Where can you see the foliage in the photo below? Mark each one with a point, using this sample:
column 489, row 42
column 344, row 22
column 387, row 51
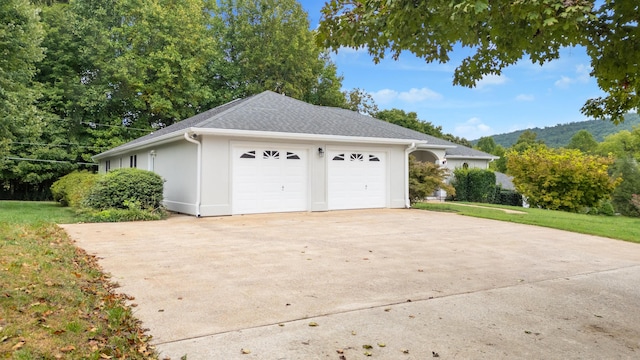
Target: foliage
column 507, row 197
column 635, row 201
column 120, row 188
column 410, row 121
column 622, row 144
column 133, row 212
column 562, row 179
column 488, row 145
column 425, row 178
column 20, row 39
column 361, row 101
column 583, row 141
column 476, row 185
column 498, row 34
column 268, row 46
column 527, row 140
column 617, row 227
column 621, row 198
column 72, row 189
column 559, row 135
column 57, row 303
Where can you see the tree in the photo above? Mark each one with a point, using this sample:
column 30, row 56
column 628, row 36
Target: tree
column 527, row 140
column 410, row 121
column 621, row 198
column 361, row 101
column 486, row 144
column 268, row 46
column 621, row 144
column 561, row 179
column 20, row 39
column 583, row 141
column 425, row 178
column 500, row 33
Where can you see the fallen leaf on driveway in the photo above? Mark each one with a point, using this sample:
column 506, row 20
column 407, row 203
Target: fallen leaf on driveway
column 313, row 324
column 245, row 351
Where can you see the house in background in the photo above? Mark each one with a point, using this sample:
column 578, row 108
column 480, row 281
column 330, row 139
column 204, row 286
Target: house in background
column 271, row 153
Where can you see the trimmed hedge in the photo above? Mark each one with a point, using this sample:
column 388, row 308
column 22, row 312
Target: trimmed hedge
column 507, row 197
column 72, row 189
column 120, row 188
column 474, row 185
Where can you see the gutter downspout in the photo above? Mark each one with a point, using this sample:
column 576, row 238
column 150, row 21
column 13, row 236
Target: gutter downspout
column 191, row 137
column 407, row 151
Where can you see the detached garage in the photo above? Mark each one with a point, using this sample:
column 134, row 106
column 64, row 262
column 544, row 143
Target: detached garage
column 271, row 153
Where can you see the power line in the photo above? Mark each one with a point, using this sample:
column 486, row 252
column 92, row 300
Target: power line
column 92, row 124
column 49, row 161
column 60, row 145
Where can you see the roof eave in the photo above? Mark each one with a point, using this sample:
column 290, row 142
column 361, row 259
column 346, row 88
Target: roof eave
column 177, row 135
column 472, row 157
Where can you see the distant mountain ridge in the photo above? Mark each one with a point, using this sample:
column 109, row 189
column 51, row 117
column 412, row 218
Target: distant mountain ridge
column 560, row 135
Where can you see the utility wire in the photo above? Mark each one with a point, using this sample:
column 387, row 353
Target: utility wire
column 49, row 161
column 60, row 145
column 92, row 124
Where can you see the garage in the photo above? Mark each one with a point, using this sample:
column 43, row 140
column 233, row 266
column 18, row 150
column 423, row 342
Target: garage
column 356, row 180
column 269, row 179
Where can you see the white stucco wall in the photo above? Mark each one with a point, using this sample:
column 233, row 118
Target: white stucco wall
column 453, row 164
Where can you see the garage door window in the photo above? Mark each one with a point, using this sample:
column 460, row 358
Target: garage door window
column 373, row 158
column 271, row 154
column 248, row 155
column 292, row 156
column 357, row 157
column 339, row 157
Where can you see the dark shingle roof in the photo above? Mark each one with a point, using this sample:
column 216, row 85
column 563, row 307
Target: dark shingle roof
column 272, row 112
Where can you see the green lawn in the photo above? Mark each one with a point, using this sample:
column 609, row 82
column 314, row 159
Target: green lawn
column 615, row 227
column 55, row 301
column 32, row 212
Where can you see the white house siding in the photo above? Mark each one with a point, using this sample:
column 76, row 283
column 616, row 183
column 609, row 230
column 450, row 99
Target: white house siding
column 453, row 164
column 175, row 162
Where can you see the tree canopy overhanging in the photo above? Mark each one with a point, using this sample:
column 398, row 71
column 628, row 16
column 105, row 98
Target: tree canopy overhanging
column 500, row 33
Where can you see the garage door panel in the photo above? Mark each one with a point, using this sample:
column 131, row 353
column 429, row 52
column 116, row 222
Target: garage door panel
column 357, row 179
column 274, row 180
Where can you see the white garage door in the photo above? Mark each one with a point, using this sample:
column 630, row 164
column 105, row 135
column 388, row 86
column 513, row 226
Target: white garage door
column 268, row 179
column 357, row 180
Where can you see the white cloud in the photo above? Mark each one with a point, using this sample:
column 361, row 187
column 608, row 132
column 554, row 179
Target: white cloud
column 490, row 80
column 386, row 96
column 525, row 97
column 582, row 76
column 472, row 129
column 417, row 95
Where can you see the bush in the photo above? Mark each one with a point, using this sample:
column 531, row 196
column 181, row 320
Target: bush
column 120, row 188
column 425, row 178
column 117, row 215
column 73, row 188
column 475, row 185
column 507, row 197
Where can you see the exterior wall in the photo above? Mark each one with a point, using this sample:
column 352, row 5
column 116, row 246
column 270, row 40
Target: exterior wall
column 453, row 164
column 218, row 163
column 175, row 162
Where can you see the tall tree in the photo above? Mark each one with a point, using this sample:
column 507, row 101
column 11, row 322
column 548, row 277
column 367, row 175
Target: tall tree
column 583, row 141
column 500, row 34
column 622, row 144
column 20, row 38
column 269, row 46
column 361, row 101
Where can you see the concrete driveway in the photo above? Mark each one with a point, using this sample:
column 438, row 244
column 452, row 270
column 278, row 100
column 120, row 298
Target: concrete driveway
column 412, row 284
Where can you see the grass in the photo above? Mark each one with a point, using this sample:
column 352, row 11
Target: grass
column 55, row 302
column 615, row 227
column 32, row 212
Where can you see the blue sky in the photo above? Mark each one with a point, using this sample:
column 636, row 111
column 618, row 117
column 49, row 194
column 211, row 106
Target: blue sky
column 526, row 95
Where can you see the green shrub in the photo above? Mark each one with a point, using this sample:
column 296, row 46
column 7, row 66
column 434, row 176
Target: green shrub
column 132, row 212
column 621, row 198
column 72, row 189
column 606, row 208
column 120, row 188
column 507, row 197
column 475, row 185
column 425, row 178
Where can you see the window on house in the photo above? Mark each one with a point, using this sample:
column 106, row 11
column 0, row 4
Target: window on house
column 373, row 158
column 465, row 166
column 107, row 165
column 357, row 157
column 133, row 161
column 292, row 156
column 339, row 157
